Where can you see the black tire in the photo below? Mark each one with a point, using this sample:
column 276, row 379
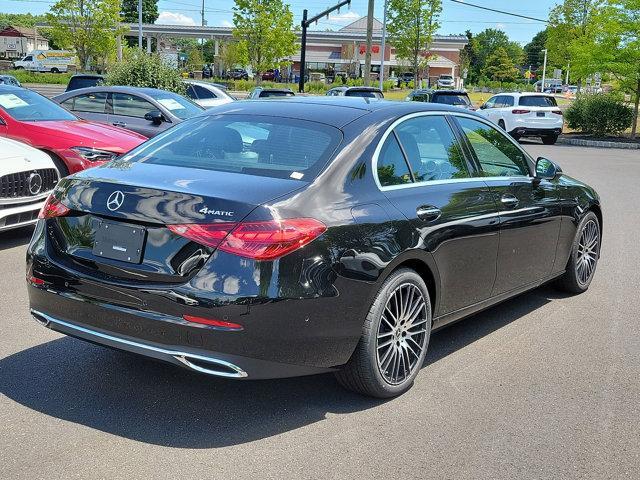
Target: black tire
column 60, row 165
column 549, row 139
column 515, row 136
column 362, row 374
column 55, row 70
column 572, row 281
column 502, row 125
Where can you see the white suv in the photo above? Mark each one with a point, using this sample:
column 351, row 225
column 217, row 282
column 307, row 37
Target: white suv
column 446, row 81
column 525, row 115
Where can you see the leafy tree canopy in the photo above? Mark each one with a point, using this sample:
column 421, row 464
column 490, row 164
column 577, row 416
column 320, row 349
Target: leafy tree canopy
column 129, row 11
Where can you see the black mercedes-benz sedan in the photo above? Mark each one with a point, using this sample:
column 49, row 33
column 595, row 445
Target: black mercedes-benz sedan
column 299, row 236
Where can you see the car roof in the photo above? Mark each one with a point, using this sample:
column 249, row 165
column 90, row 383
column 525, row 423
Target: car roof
column 87, row 75
column 11, row 88
column 334, row 111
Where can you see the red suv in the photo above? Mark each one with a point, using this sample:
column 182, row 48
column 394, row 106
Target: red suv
column 73, row 144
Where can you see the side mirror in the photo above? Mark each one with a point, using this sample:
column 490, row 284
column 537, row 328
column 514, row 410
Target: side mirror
column 546, row 169
column 483, row 106
column 154, row 116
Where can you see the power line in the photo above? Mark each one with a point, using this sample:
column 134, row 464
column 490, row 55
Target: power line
column 463, row 2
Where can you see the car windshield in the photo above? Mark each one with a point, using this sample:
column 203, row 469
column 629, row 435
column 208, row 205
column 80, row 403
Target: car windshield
column 27, row 106
column 363, row 94
column 451, row 98
column 537, row 101
column 253, row 145
column 177, row 105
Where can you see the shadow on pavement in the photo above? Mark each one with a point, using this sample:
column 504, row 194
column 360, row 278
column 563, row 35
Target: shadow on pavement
column 151, row 402
column 15, row 238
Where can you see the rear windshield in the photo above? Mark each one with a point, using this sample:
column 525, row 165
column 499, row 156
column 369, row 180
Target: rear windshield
column 537, row 101
column 363, row 93
column 83, row 82
column 451, row 98
column 27, row 106
column 255, row 145
column 276, row 93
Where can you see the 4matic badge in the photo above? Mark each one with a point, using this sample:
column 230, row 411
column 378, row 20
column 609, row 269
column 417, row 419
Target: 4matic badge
column 219, row 213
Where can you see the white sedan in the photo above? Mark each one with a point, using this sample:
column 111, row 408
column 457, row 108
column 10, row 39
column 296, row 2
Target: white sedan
column 27, row 177
column 206, row 94
column 525, row 115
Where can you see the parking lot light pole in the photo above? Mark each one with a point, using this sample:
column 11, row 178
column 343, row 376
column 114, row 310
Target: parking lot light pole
column 382, row 47
column 544, row 70
column 140, row 24
column 306, row 22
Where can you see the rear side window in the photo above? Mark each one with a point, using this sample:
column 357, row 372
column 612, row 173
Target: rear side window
column 263, row 146
column 90, row 102
column 392, row 166
column 131, row 105
column 363, row 94
column 537, row 101
column 203, row 93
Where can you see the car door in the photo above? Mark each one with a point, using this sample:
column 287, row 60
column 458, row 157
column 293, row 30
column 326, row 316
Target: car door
column 487, row 107
column 128, row 111
column 529, row 210
column 424, row 173
column 89, row 106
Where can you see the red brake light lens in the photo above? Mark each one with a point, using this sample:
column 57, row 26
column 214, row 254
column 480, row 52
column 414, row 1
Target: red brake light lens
column 518, row 111
column 258, row 240
column 53, row 208
column 212, row 322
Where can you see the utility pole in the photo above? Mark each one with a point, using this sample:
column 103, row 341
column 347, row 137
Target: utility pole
column 305, row 23
column 384, row 38
column 140, row 24
column 544, row 70
column 566, row 81
column 202, row 13
column 367, row 56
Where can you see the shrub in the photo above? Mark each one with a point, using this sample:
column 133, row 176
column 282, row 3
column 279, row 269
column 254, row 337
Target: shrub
column 139, row 69
column 25, row 76
column 316, row 87
column 599, row 114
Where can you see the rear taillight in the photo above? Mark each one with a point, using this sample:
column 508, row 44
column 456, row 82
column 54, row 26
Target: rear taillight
column 557, row 112
column 53, row 208
column 213, row 322
column 519, row 112
column 258, row 240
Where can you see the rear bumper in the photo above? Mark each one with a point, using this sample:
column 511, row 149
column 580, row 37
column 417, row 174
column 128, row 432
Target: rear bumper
column 535, row 132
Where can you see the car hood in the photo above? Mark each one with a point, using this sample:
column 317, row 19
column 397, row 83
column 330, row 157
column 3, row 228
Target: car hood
column 80, row 133
column 18, row 157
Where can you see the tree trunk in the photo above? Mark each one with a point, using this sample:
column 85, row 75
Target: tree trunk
column 635, row 111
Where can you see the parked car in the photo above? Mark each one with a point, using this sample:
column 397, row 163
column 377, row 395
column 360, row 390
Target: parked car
column 84, row 80
column 405, row 78
column 261, row 92
column 318, row 77
column 207, row 94
column 554, row 89
column 54, row 61
column 571, row 90
column 73, row 144
column 366, row 92
column 457, row 98
column 269, row 75
column 147, row 111
column 27, row 177
column 234, row 244
column 446, row 81
column 9, row 80
column 548, row 82
column 525, row 115
column 237, row 74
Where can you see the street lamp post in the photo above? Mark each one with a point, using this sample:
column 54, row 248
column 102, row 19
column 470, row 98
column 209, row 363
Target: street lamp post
column 140, row 24
column 384, row 38
column 544, row 70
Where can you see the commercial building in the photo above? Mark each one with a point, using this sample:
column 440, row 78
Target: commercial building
column 16, row 42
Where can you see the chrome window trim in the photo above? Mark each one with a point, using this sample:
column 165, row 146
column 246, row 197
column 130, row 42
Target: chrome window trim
column 444, row 114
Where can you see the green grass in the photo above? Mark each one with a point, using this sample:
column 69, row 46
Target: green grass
column 36, row 77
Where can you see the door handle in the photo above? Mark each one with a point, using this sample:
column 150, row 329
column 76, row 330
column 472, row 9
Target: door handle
column 119, row 124
column 428, row 213
column 509, row 201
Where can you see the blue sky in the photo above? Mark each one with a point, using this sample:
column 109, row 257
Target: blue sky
column 455, row 18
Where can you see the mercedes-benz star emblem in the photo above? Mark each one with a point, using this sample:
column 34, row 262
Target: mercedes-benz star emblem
column 34, row 182
column 115, row 200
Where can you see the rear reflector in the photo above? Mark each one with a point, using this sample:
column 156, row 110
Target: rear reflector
column 53, row 208
column 518, row 111
column 258, row 240
column 212, row 322
column 557, row 112
column 35, row 280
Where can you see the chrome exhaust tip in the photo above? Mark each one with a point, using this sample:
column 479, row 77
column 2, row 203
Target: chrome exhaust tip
column 40, row 319
column 211, row 366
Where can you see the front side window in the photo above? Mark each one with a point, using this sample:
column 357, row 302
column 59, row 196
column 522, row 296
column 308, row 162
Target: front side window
column 131, row 105
column 491, row 103
column 90, row 102
column 431, row 149
column 497, row 155
column 253, row 145
column 177, row 104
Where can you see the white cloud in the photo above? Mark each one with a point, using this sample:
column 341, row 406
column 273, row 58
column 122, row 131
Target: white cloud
column 174, row 18
column 346, row 17
column 227, row 23
column 500, row 26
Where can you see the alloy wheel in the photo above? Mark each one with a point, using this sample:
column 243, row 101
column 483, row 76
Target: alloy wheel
column 587, row 255
column 402, row 333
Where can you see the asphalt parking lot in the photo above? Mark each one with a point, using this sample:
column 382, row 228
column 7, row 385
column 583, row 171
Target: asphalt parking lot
column 544, row 386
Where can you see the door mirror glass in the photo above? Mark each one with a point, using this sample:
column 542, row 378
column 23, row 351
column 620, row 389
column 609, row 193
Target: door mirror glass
column 483, row 106
column 546, row 169
column 154, row 116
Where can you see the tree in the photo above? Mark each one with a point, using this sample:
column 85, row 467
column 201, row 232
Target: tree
column 469, row 58
column 20, row 20
column 500, row 67
column 230, row 56
column 87, row 26
column 195, row 60
column 264, row 33
column 533, row 51
column 129, row 11
column 139, row 69
column 411, row 25
column 489, row 40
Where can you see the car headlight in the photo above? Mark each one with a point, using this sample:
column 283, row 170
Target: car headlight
column 94, row 154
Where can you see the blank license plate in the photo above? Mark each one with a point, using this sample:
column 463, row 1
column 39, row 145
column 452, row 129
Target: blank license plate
column 119, row 242
column 540, row 114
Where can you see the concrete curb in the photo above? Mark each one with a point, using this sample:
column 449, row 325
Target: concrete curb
column 581, row 142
